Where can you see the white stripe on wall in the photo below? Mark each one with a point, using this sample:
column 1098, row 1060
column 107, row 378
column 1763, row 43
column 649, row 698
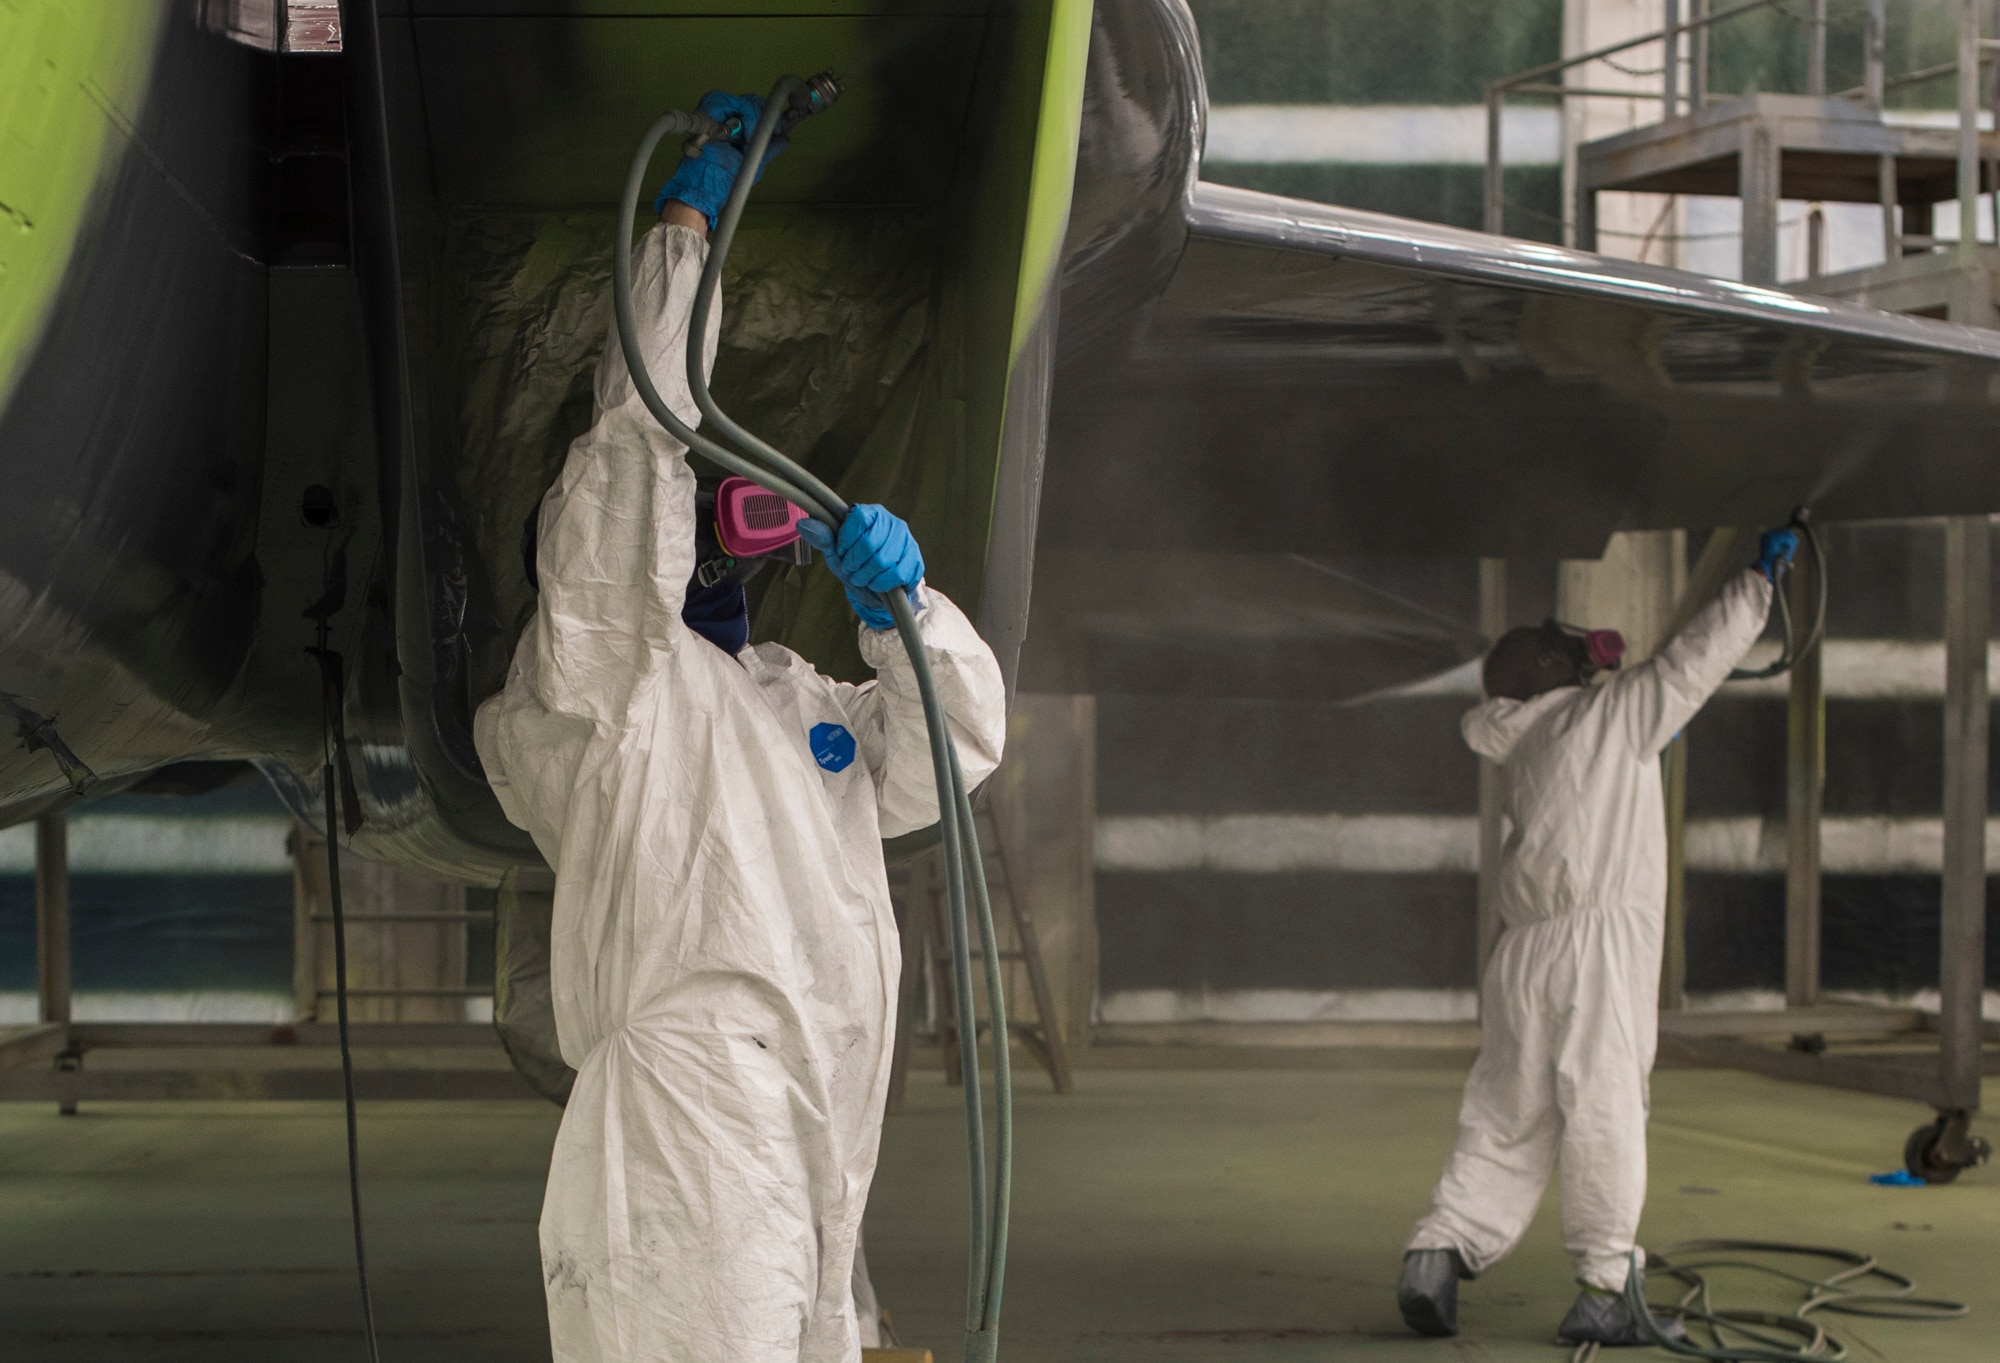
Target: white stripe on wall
column 1377, row 135
column 1867, row 669
column 157, row 844
column 1140, row 1007
column 1856, row 669
column 1126, row 1007
column 1420, row 843
column 1287, row 842
column 1946, row 119
column 21, row 1008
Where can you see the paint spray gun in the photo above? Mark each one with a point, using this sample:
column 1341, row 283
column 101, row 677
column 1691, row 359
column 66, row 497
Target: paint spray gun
column 1795, row 646
column 814, row 95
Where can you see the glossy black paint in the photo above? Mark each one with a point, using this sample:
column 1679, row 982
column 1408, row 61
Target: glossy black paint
column 1138, row 151
column 449, row 813
column 131, row 450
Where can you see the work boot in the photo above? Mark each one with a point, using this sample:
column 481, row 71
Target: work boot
column 1606, row 1318
column 1427, row 1293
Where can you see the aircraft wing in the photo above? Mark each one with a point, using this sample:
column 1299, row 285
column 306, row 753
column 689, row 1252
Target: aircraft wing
column 1316, row 379
column 1253, row 383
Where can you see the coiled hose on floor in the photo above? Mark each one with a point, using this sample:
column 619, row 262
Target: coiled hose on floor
column 742, row 453
column 1858, row 1287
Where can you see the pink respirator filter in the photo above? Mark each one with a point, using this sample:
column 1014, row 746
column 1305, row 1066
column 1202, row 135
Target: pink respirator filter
column 1605, row 647
column 750, row 522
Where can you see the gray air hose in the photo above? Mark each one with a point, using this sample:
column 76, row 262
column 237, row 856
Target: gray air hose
column 791, row 100
column 1858, row 1287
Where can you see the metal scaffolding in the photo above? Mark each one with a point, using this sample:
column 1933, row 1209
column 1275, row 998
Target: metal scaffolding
column 183, row 1060
column 1763, row 149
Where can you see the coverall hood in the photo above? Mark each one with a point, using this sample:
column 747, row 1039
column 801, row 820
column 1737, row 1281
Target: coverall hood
column 1495, row 728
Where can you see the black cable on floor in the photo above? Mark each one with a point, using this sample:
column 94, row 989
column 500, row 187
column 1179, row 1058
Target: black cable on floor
column 347, row 1060
column 335, row 779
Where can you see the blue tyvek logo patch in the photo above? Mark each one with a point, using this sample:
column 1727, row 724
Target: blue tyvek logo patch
column 832, row 747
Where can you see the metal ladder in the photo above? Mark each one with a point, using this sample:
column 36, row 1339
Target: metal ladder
column 311, row 938
column 926, row 940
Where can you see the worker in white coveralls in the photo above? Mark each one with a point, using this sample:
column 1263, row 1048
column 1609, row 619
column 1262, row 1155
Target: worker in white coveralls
column 724, row 959
column 1569, row 1002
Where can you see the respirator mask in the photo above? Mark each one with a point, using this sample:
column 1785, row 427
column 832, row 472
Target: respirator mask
column 1601, row 649
column 1534, row 659
column 739, row 527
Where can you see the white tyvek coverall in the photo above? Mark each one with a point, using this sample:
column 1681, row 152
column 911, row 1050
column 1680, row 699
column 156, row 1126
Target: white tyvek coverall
column 724, row 958
column 1569, row 1005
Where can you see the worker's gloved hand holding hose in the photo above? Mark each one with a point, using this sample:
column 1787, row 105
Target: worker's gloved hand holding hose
column 873, row 554
column 1775, row 551
column 703, row 181
column 1776, row 548
column 876, row 559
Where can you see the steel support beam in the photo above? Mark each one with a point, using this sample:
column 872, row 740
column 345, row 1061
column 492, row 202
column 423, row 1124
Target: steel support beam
column 1816, row 50
column 1873, row 47
column 315, row 1084
column 304, row 845
column 1832, row 1021
column 1698, row 56
column 52, row 955
column 1892, row 236
column 1495, row 183
column 1968, row 128
column 88, row 1036
column 1670, row 63
column 1757, row 179
column 1911, row 1077
column 1492, row 778
column 1805, row 787
column 1962, row 942
column 1583, row 230
column 1719, row 558
column 53, row 973
column 1989, row 99
column 30, row 1044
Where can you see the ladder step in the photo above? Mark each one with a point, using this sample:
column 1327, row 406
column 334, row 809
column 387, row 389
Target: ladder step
column 1037, row 1034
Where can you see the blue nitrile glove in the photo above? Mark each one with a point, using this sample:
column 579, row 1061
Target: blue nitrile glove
column 703, row 182
column 1775, row 549
column 1897, row 1178
column 876, row 553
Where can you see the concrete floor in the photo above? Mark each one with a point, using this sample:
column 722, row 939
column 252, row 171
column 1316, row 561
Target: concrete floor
column 1171, row 1216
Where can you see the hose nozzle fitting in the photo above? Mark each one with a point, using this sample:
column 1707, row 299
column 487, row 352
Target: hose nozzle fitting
column 814, row 95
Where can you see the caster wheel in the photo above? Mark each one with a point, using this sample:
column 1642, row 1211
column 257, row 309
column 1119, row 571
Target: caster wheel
column 1925, row 1157
column 1920, row 1155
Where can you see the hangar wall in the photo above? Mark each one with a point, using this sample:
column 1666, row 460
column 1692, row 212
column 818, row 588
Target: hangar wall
column 1294, row 861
